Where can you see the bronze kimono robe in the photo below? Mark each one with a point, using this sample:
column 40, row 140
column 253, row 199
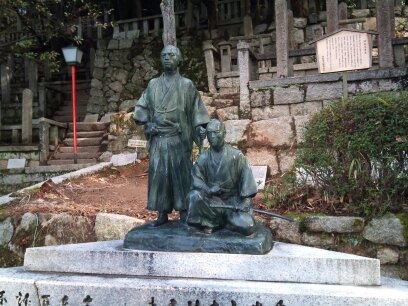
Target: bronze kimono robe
column 234, row 176
column 176, row 112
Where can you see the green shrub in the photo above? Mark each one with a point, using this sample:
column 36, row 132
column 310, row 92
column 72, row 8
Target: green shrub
column 356, row 152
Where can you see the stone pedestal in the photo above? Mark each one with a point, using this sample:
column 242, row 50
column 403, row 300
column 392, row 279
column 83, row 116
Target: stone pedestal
column 103, row 273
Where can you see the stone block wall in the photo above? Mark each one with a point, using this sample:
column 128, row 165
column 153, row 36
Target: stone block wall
column 280, row 109
column 123, row 68
column 383, row 238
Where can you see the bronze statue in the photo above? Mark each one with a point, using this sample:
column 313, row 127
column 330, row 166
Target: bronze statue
column 173, row 116
column 222, row 187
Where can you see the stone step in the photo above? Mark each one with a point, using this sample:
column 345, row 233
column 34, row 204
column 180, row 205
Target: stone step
column 226, row 96
column 221, row 103
column 284, row 263
column 137, row 291
column 90, row 126
column 68, row 118
column 83, row 142
column 81, row 155
column 87, row 134
column 70, row 149
column 66, row 112
column 91, row 161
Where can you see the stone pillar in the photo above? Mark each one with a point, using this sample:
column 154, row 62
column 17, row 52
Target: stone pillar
column 156, row 27
column 33, row 76
column 363, row 4
column 54, row 136
column 208, row 49
column 92, row 60
column 385, row 29
column 245, row 69
column 332, row 11
column 44, row 132
column 5, row 83
column 284, row 69
column 27, row 117
column 15, row 136
column 79, row 28
column 189, row 15
column 343, row 11
column 399, row 56
column 225, row 50
column 248, row 30
column 42, row 100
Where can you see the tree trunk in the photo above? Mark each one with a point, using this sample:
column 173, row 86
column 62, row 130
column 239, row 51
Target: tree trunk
column 169, row 22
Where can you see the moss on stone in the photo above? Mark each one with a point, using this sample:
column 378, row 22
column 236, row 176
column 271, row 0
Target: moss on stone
column 358, row 223
column 9, row 259
column 302, row 217
column 403, row 217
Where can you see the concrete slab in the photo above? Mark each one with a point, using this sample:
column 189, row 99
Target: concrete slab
column 68, row 289
column 123, row 159
column 285, row 263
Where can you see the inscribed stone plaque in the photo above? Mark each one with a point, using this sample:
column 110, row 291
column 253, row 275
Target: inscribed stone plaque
column 16, row 163
column 343, row 51
column 137, row 143
column 259, row 173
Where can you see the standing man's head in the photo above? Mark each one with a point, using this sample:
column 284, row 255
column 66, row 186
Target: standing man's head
column 216, row 134
column 170, row 58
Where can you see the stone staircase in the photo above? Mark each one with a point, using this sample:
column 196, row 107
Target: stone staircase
column 64, row 114
column 90, row 135
column 90, row 142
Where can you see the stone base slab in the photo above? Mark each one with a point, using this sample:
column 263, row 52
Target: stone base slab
column 284, row 263
column 67, row 289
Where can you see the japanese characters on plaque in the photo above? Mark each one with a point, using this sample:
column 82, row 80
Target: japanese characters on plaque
column 343, row 51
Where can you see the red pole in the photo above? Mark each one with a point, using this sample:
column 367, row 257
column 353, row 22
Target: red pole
column 73, row 72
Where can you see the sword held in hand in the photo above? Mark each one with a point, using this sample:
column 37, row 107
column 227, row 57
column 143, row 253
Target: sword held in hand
column 271, row 214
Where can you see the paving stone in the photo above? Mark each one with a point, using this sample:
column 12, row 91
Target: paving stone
column 236, row 130
column 387, row 255
column 329, row 224
column 292, row 94
column 286, row 231
column 123, row 159
column 386, row 230
column 261, row 98
column 6, row 231
column 324, row 91
column 263, row 156
column 269, row 112
column 318, row 240
column 272, row 132
column 286, row 160
column 300, row 123
column 113, row 227
column 228, row 113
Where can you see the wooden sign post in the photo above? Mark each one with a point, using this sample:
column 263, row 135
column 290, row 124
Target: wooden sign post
column 344, row 50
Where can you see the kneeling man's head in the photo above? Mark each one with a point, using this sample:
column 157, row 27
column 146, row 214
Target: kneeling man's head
column 216, row 133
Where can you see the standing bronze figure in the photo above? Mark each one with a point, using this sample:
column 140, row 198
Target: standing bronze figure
column 173, row 116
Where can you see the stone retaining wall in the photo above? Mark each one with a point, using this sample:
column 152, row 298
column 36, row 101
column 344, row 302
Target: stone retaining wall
column 280, row 109
column 383, row 238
